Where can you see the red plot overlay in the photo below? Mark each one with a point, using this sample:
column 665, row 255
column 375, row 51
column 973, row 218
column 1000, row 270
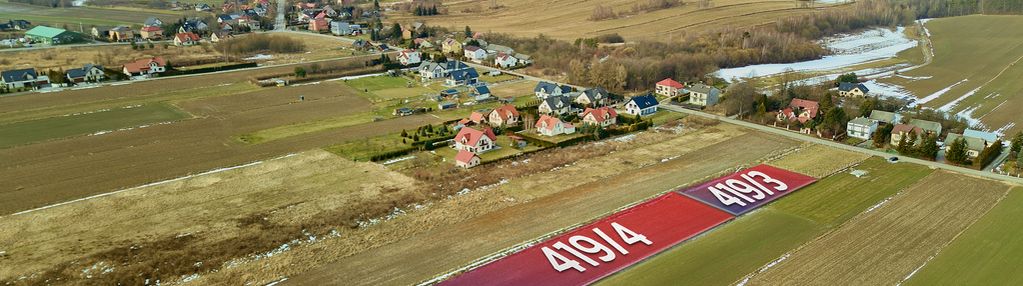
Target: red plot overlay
column 594, row 251
column 749, row 189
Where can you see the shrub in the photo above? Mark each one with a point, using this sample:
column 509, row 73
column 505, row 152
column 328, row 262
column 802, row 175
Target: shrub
column 261, row 43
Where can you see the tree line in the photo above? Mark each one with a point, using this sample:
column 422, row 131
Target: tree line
column 260, row 43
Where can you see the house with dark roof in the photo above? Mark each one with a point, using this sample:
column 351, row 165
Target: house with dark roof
column 467, row 76
column 87, row 73
column 976, row 141
column 193, row 25
column 475, row 140
column 12, row 25
column 545, row 89
column 429, row 70
column 152, row 22
column 481, row 92
column 555, row 105
column 642, row 105
column 23, row 78
column 704, row 95
column 849, row 89
column 593, row 97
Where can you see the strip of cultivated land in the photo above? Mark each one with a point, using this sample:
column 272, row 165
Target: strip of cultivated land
column 569, row 20
column 885, row 245
column 990, row 252
column 724, row 255
column 559, row 199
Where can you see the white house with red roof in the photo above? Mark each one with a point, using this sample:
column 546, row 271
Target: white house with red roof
column 505, row 60
column 475, row 54
column 603, row 116
column 409, row 57
column 186, row 39
column 466, row 159
column 669, row 87
column 552, row 126
column 475, row 140
column 506, row 115
column 799, row 109
column 145, row 67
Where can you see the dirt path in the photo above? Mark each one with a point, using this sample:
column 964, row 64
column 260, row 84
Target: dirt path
column 445, row 249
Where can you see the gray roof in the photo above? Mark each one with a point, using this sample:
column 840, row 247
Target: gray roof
column 847, row 86
column 863, row 121
column 500, row 48
column 153, row 21
column 703, row 88
column 81, row 72
column 987, row 136
column 554, row 100
column 930, row 126
column 972, row 143
column 884, row 116
column 645, row 101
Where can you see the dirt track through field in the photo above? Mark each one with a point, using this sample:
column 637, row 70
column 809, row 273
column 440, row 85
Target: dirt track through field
column 52, row 172
column 438, row 251
column 883, row 246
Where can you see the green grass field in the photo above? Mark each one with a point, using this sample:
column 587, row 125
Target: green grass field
column 725, row 255
column 74, row 125
column 86, row 16
column 990, row 252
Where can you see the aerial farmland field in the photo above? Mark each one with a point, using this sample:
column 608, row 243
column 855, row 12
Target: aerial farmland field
column 87, row 17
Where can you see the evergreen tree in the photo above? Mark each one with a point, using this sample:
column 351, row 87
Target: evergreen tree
column 957, row 152
column 396, row 31
column 403, row 133
column 989, row 154
column 1019, row 162
column 929, row 148
column 868, row 105
column 376, row 5
column 1017, row 143
column 468, row 32
column 882, row 135
column 903, row 147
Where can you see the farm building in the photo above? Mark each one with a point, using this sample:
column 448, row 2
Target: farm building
column 642, row 105
column 52, row 36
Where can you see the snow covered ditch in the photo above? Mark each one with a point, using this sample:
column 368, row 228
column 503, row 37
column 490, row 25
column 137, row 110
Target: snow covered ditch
column 848, row 50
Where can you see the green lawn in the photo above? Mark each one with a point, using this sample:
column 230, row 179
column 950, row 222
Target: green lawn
column 378, row 83
column 505, row 151
column 362, row 150
column 553, row 139
column 73, row 125
column 725, row 255
column 990, row 252
column 498, row 78
column 86, row 16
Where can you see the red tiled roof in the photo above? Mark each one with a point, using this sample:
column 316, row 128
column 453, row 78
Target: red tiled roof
column 472, row 136
column 806, row 105
column 472, row 48
column 549, row 122
column 186, row 36
column 143, row 64
column 600, row 114
column 506, row 111
column 477, row 117
column 151, row 29
column 900, row 128
column 670, row 82
column 464, row 156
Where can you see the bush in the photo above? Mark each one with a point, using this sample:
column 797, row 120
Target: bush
column 261, row 43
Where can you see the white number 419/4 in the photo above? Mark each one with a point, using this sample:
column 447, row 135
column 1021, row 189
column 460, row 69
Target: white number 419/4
column 582, row 244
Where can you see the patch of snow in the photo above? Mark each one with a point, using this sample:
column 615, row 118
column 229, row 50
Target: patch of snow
column 392, row 161
column 967, row 114
column 939, row 93
column 1001, row 131
column 870, row 45
column 189, row 278
column 889, row 90
column 949, row 106
column 277, row 282
column 259, row 57
column 626, row 138
column 878, row 205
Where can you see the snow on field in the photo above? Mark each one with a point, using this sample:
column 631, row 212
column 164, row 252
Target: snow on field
column 941, row 92
column 870, row 45
column 889, row 90
column 949, row 106
column 259, row 57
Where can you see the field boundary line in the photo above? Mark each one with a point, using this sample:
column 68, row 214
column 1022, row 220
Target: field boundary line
column 214, row 171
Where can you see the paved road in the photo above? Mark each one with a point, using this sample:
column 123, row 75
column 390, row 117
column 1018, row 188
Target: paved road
column 834, row 144
column 281, row 23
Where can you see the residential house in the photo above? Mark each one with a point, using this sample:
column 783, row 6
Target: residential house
column 152, row 22
column 504, row 60
column 524, row 59
column 886, row 117
column 481, row 92
column 218, row 36
column 545, row 89
column 466, row 159
column 557, row 105
column 429, row 70
column 976, row 141
column 601, row 116
column 409, row 57
column 88, row 73
column 930, row 127
column 203, row 7
column 100, row 32
column 703, row 95
column 151, row 33
column 669, row 87
column 186, row 39
column 475, row 54
column 145, row 67
column 194, row 26
column 799, row 110
column 341, row 28
column 228, row 18
column 423, row 43
column 475, row 140
column 904, row 130
column 467, row 76
column 121, row 34
column 642, row 105
column 23, row 78
column 495, row 49
column 552, row 126
column 593, row 97
column 852, row 89
column 15, row 25
column 319, row 25
column 451, row 46
column 861, row 127
column 52, row 36
column 506, row 115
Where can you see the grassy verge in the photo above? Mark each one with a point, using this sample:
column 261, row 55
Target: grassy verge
column 756, row 239
column 87, row 123
column 989, row 253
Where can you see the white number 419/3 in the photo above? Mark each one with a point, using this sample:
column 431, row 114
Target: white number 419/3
column 582, row 244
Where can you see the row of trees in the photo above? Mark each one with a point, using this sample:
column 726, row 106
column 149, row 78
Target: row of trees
column 926, row 149
column 261, row 43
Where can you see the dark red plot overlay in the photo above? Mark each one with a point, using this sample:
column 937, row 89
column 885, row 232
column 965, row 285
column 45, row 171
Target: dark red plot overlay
column 594, row 251
column 749, row 189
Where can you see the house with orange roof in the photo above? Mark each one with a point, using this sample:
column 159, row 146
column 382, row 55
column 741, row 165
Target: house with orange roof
column 145, row 67
column 799, row 109
column 552, row 126
column 151, row 33
column 186, row 39
column 602, row 116
column 475, row 140
column 466, row 159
